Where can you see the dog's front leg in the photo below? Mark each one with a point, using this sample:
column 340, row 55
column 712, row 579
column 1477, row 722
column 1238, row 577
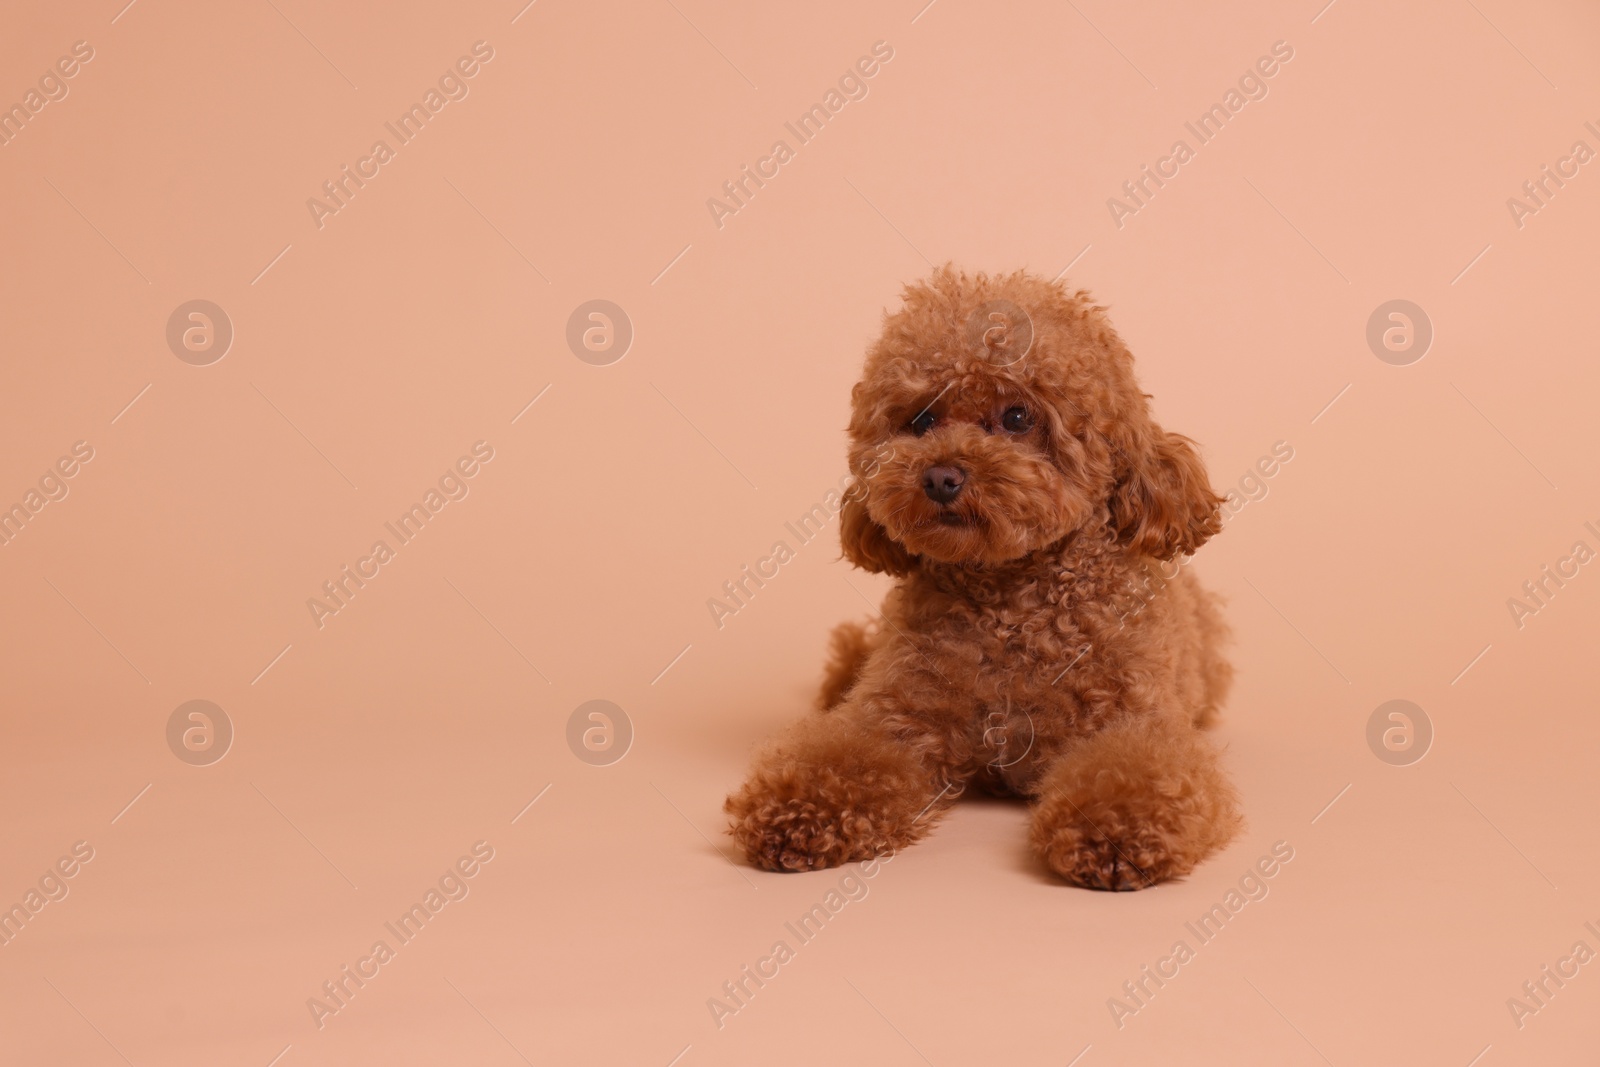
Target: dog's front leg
column 1142, row 801
column 866, row 778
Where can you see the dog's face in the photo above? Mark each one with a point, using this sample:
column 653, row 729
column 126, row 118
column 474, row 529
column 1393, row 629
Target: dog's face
column 997, row 416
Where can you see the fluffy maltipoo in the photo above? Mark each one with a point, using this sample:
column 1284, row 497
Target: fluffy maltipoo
column 1043, row 638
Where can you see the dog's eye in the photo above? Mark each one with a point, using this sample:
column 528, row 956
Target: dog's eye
column 1017, row 420
column 923, row 423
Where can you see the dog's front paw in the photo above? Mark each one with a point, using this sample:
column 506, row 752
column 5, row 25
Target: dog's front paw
column 1085, row 856
column 836, row 790
column 1140, row 802
column 790, row 835
column 803, row 818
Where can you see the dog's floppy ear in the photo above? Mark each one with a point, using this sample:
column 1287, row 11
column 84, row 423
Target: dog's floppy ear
column 868, row 545
column 1163, row 504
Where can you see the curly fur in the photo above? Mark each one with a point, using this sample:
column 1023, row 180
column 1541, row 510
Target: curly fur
column 1041, row 640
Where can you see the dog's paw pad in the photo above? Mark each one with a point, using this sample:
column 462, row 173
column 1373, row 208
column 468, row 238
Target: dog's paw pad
column 1106, row 865
column 1098, row 862
column 792, row 836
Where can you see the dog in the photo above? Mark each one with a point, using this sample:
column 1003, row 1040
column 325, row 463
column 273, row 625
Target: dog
column 1043, row 639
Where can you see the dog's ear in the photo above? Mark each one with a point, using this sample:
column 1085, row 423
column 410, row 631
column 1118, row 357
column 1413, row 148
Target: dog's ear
column 1162, row 504
column 868, row 545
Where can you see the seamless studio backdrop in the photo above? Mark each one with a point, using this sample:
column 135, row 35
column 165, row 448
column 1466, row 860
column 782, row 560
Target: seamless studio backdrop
column 398, row 403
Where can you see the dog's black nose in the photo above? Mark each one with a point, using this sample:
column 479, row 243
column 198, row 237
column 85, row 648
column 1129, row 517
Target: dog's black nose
column 943, row 484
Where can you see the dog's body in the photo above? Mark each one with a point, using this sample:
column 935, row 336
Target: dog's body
column 1043, row 639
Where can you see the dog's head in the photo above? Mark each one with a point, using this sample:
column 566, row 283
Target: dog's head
column 998, row 415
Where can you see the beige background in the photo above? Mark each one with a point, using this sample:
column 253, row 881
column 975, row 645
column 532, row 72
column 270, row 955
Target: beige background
column 372, row 352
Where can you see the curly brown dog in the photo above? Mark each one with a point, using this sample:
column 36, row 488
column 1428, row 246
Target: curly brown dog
column 1043, row 638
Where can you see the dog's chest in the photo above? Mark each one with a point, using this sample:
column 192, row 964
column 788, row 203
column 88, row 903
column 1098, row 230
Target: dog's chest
column 1026, row 649
column 1015, row 651
column 1022, row 704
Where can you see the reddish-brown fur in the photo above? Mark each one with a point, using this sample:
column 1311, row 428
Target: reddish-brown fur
column 1043, row 638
